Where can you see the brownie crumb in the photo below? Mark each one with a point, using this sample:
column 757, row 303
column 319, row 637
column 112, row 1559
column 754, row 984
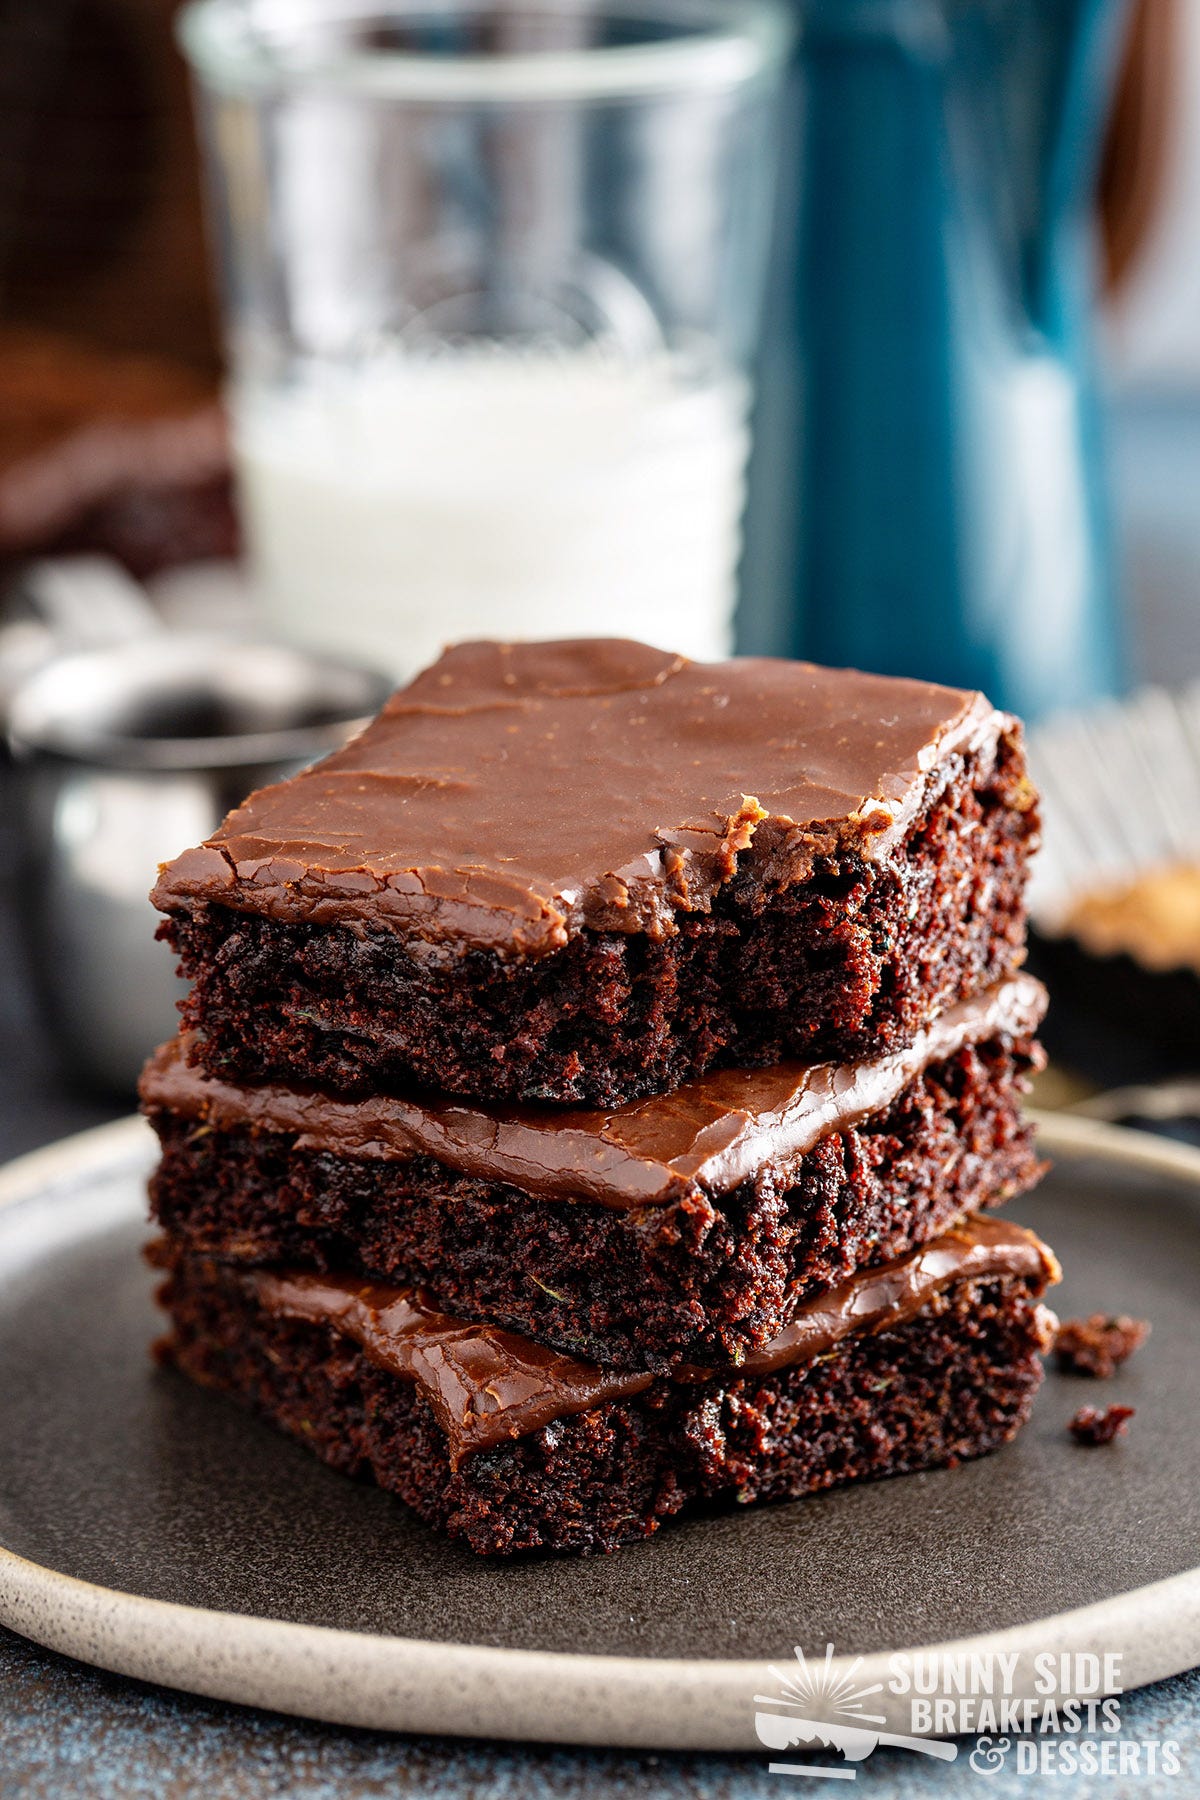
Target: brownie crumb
column 1091, row 1426
column 1098, row 1345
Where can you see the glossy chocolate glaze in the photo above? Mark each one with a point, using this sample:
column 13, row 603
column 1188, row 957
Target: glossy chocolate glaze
column 487, row 1386
column 713, row 1133
column 515, row 794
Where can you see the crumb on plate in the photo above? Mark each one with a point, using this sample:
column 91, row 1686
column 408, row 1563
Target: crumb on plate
column 1098, row 1344
column 1091, row 1425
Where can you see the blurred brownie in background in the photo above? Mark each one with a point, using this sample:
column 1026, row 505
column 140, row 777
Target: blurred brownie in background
column 125, row 456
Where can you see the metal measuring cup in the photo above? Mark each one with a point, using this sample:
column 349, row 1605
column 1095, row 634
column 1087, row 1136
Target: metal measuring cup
column 122, row 758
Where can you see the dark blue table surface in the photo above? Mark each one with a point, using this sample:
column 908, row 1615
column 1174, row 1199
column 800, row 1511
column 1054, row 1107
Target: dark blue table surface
column 67, row 1731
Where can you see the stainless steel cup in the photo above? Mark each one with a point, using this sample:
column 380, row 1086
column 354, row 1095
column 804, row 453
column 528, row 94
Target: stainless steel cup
column 122, row 758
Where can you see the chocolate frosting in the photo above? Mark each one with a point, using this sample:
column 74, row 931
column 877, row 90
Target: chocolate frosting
column 487, row 1386
column 515, row 794
column 712, row 1133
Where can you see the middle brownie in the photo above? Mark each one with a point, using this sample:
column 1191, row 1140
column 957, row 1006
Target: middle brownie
column 683, row 1228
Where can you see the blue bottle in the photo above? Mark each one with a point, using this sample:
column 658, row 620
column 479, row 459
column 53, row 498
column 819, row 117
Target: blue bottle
column 929, row 489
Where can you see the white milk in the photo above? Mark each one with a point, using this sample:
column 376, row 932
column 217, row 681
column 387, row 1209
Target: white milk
column 496, row 494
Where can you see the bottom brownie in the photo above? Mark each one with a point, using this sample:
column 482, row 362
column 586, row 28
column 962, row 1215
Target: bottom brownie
column 951, row 1379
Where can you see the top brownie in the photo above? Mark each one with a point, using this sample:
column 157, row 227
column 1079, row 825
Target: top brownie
column 587, row 870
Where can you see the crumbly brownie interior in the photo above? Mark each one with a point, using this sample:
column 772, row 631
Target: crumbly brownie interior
column 849, row 963
column 954, row 1381
column 701, row 1279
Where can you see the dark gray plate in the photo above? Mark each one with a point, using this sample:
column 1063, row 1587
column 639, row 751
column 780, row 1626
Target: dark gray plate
column 114, row 1475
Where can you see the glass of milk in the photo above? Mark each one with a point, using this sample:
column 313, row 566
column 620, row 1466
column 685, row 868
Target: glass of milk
column 492, row 277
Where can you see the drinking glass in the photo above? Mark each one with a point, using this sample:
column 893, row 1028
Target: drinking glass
column 492, row 277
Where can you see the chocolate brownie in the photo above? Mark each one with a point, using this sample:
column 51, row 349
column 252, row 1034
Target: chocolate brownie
column 587, row 871
column 127, row 456
column 512, row 1447
column 676, row 1228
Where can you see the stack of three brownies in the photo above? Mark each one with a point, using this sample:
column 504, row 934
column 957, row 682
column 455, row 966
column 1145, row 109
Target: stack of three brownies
column 595, row 1084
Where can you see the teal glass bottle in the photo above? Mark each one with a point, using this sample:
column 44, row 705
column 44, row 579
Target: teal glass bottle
column 929, row 490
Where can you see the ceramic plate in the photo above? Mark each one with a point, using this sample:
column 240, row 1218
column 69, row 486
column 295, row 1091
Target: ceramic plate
column 158, row 1531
